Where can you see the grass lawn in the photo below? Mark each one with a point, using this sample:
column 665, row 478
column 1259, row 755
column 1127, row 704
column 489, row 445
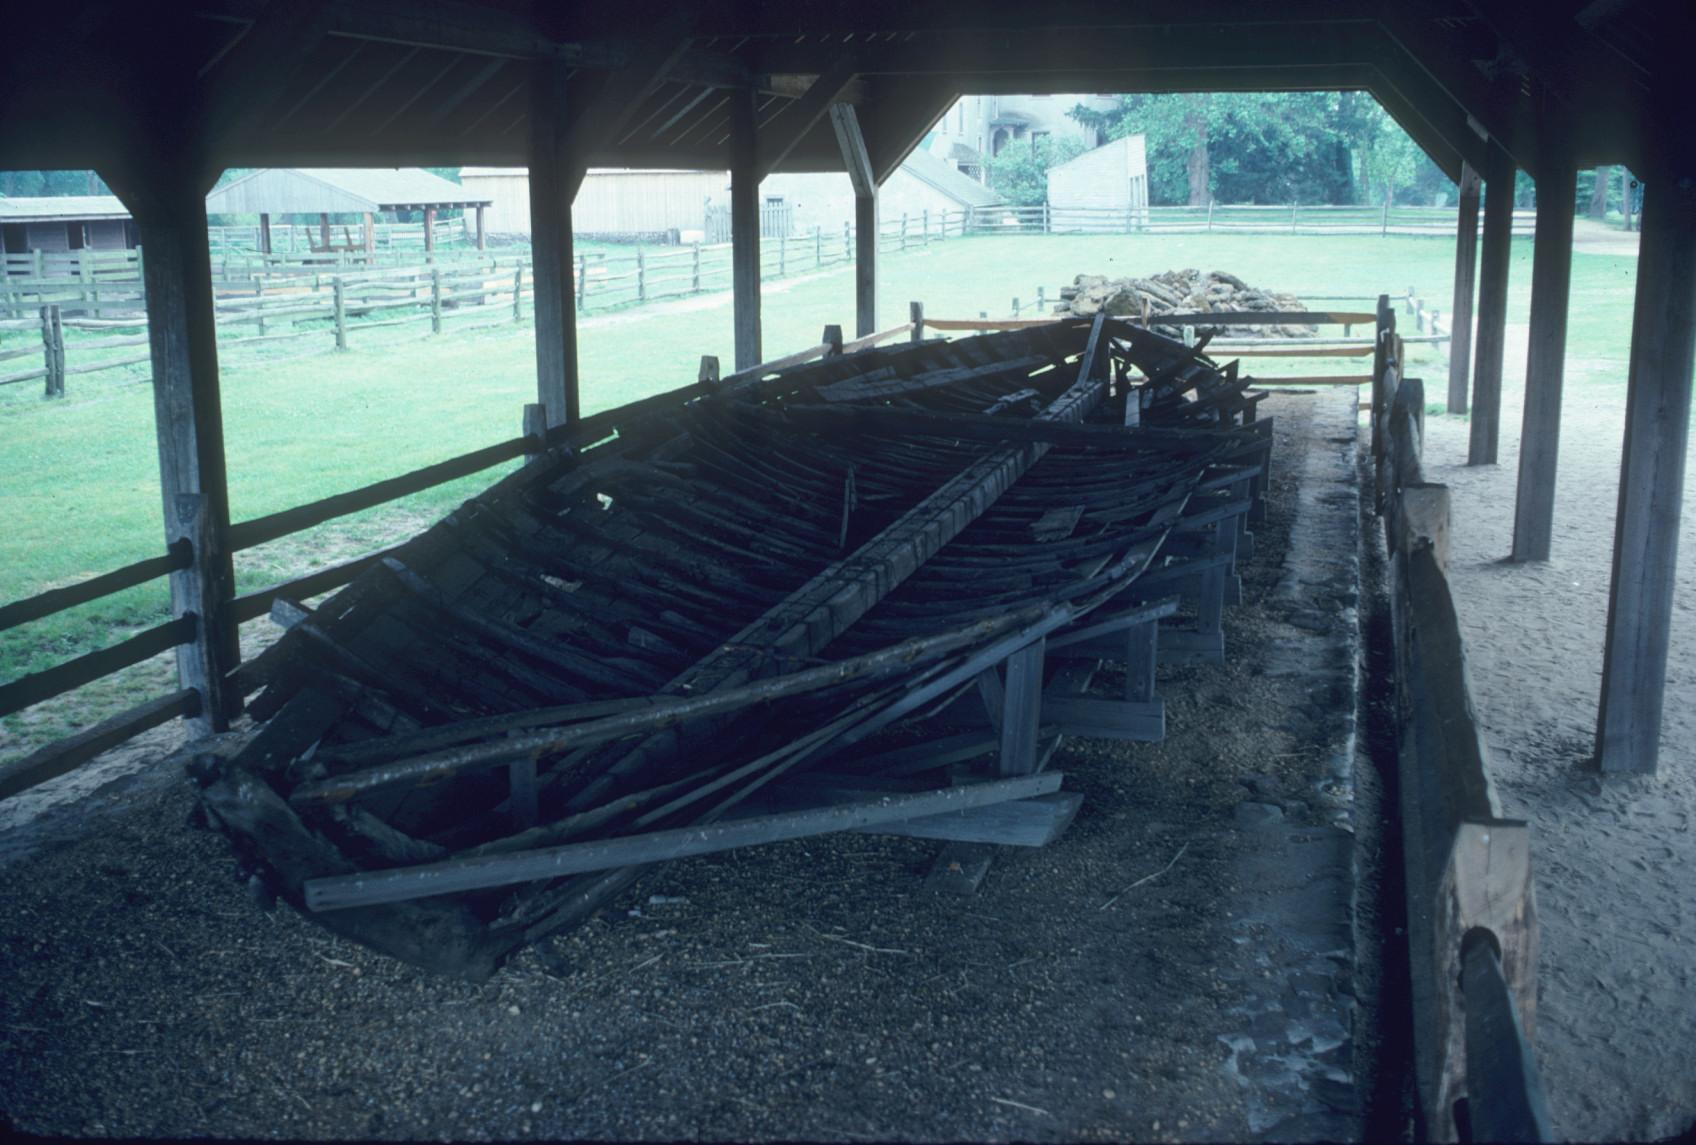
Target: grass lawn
column 79, row 489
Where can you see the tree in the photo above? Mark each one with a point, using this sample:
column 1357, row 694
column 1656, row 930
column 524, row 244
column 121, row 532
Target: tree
column 1270, row 147
column 1020, row 172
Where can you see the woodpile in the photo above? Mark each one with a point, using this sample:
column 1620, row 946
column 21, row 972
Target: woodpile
column 1145, row 300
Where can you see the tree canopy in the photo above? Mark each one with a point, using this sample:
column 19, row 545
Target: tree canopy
column 1272, row 147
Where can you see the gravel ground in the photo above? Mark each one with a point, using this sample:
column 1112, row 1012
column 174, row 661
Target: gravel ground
column 1177, row 967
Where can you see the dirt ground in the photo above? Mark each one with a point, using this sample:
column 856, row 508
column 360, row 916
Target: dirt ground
column 1613, row 857
column 1179, row 966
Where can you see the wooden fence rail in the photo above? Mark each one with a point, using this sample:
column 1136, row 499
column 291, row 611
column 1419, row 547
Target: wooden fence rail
column 1468, row 869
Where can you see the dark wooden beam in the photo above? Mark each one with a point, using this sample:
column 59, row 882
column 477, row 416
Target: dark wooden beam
column 745, row 227
column 1545, row 358
column 1491, row 342
column 905, row 109
column 778, row 139
column 1657, row 437
column 602, row 118
column 1466, row 280
column 846, row 124
column 247, row 80
column 550, row 244
column 1441, row 151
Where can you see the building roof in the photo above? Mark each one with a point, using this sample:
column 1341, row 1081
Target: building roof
column 61, row 208
column 963, row 189
column 338, row 190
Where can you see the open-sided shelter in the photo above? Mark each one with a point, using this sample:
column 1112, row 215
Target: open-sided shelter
column 326, row 191
column 160, row 100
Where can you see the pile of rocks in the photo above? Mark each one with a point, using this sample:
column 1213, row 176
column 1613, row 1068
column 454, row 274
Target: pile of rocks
column 1180, row 292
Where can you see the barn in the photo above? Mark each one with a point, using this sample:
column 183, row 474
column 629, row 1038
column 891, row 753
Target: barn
column 59, row 223
column 317, row 193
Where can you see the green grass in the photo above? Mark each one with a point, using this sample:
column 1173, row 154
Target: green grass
column 79, row 489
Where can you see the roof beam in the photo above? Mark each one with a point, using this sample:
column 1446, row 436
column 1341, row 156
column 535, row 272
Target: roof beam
column 594, row 122
column 779, row 137
column 900, row 116
column 247, row 80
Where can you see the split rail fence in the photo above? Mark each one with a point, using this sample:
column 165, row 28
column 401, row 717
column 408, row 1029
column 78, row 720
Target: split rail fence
column 1222, row 218
column 1472, row 930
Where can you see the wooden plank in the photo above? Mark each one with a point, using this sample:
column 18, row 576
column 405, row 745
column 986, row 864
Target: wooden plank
column 745, row 227
column 65, row 755
column 368, row 888
column 259, row 530
column 1265, row 318
column 252, row 605
column 1657, row 437
column 58, row 599
column 1491, row 344
column 61, row 678
column 1466, row 279
column 551, row 243
column 851, row 142
column 1545, row 361
column 1021, row 711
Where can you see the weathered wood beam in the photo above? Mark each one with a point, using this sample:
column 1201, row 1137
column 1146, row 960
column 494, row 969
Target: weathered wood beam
column 1545, row 357
column 1466, row 280
column 745, row 226
column 846, row 123
column 1657, row 436
column 603, row 116
column 905, row 110
column 550, row 245
column 778, row 138
column 1491, row 343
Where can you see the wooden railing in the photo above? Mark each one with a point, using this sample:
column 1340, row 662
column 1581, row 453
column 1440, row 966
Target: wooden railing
column 1222, row 218
column 1472, row 933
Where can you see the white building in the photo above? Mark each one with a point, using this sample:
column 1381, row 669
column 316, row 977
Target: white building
column 924, row 189
column 979, row 127
column 1105, row 190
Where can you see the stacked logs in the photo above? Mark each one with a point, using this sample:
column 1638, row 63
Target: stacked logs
column 1179, row 292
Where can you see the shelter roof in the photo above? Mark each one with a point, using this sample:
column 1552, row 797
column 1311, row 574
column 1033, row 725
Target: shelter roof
column 54, row 208
column 963, row 189
column 315, row 190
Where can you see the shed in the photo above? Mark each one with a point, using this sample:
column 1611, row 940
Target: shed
column 613, row 202
column 55, row 223
column 326, row 191
column 1100, row 190
column 923, row 183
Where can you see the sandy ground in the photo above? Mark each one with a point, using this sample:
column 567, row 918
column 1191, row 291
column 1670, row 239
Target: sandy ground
column 1180, row 966
column 1614, row 858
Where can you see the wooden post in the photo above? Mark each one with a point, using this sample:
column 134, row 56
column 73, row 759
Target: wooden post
column 1657, row 436
column 708, row 373
column 641, row 276
column 259, row 303
column 1624, row 197
column 847, row 240
column 53, row 351
column 429, row 233
column 818, row 248
column 435, row 300
column 340, row 305
column 1384, row 217
column 582, row 281
column 924, row 225
column 1210, row 215
column 518, row 294
column 169, row 206
column 1545, row 358
column 852, row 143
column 324, row 230
column 832, row 340
column 903, row 232
column 782, row 255
column 550, row 243
column 1492, row 307
column 85, row 281
column 370, row 234
column 745, row 227
column 482, row 243
column 916, row 315
column 535, row 428
column 264, row 233
column 695, row 270
column 1466, row 277
column 1021, row 711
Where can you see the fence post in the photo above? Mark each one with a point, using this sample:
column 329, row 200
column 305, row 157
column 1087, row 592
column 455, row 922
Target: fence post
column 582, row 280
column 818, row 247
column 782, row 255
column 518, row 294
column 641, row 276
column 435, row 300
column 916, row 315
column 1408, row 301
column 1292, row 218
column 924, row 219
column 1210, row 216
column 903, row 230
column 832, row 339
column 1384, row 219
column 1045, row 216
column 40, row 267
column 1015, row 306
column 85, row 279
column 847, row 242
column 535, row 431
column 53, row 351
column 341, row 312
